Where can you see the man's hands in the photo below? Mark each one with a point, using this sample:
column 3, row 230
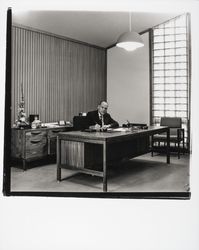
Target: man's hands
column 97, row 127
column 105, row 127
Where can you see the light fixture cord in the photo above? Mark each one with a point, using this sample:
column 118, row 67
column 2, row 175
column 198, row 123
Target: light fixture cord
column 130, row 21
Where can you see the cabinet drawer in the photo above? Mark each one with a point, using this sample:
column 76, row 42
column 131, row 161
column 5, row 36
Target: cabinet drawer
column 35, row 135
column 53, row 132
column 36, row 148
column 35, row 144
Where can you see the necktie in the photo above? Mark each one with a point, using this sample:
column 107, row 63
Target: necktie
column 102, row 118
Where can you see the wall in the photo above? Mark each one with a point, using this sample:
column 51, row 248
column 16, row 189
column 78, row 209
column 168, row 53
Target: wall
column 128, row 83
column 60, row 78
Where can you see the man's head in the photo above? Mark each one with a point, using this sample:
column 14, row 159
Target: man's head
column 102, row 107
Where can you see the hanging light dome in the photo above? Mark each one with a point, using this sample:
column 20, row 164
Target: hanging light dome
column 130, row 40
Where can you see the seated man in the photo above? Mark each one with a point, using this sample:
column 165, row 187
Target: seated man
column 99, row 119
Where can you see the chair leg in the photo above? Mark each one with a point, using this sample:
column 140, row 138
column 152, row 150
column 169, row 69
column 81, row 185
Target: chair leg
column 178, row 150
column 183, row 148
column 152, row 146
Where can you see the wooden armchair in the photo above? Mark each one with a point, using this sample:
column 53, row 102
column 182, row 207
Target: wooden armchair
column 176, row 133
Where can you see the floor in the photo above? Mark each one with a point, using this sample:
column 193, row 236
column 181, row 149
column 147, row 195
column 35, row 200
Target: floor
column 141, row 174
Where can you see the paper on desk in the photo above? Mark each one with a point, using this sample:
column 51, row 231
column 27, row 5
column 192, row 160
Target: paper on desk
column 120, row 129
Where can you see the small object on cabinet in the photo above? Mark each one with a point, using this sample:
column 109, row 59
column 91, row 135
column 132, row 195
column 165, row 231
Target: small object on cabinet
column 36, row 123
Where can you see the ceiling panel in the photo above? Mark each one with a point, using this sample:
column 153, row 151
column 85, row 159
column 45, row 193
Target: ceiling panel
column 97, row 28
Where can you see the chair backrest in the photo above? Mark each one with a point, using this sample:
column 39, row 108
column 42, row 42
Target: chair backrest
column 79, row 122
column 171, row 122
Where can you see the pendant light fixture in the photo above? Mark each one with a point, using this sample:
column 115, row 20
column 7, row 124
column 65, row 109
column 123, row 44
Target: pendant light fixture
column 130, row 40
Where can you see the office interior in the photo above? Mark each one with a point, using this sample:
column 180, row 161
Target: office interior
column 65, row 62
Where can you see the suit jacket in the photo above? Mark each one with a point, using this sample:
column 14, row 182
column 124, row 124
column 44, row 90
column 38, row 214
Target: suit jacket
column 93, row 118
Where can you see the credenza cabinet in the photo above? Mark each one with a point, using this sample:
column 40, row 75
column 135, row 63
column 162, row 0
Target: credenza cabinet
column 34, row 144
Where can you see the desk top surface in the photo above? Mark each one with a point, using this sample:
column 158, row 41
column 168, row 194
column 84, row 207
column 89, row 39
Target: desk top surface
column 111, row 134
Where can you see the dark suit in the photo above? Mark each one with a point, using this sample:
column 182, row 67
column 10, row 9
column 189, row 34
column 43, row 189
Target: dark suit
column 93, row 118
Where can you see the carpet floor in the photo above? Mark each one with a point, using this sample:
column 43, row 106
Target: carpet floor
column 141, row 174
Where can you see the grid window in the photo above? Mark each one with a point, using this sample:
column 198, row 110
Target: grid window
column 170, row 72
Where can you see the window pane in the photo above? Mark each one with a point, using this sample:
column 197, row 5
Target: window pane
column 169, row 52
column 158, row 80
column 169, row 107
column 158, row 100
column 170, row 93
column 159, row 94
column 181, row 100
column 159, row 73
column 169, row 72
column 181, row 80
column 181, row 114
column 169, row 45
column 169, row 31
column 181, row 51
column 158, row 59
column 158, row 32
column 181, row 72
column 169, row 38
column 158, row 38
column 159, row 113
column 158, row 66
column 170, row 100
column 181, row 37
column 181, row 107
column 181, row 44
column 170, row 66
column 169, row 79
column 181, row 65
column 181, row 93
column 169, row 86
column 158, row 52
column 180, row 30
column 181, row 86
column 169, row 59
column 170, row 113
column 158, row 45
column 158, row 87
column 181, row 58
column 158, row 106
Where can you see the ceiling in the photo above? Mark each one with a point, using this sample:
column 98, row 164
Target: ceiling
column 97, row 28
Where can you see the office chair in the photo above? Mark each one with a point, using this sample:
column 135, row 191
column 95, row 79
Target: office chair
column 176, row 133
column 79, row 122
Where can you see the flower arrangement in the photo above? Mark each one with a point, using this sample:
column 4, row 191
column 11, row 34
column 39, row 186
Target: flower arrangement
column 21, row 118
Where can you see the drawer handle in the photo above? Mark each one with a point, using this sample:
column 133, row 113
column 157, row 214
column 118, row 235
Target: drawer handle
column 36, row 133
column 55, row 131
column 34, row 142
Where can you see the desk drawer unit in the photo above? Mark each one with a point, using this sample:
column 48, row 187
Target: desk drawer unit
column 35, row 144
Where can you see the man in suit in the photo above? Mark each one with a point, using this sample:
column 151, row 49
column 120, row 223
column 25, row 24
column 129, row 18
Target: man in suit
column 99, row 119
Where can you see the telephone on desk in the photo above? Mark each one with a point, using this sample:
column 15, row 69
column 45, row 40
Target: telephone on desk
column 135, row 125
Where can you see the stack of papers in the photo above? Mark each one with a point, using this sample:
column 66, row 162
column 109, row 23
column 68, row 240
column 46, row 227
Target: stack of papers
column 119, row 129
column 51, row 125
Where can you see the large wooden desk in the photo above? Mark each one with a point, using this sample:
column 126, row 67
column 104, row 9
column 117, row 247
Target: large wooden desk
column 77, row 148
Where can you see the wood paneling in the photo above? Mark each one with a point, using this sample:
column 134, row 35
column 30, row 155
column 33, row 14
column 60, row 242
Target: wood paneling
column 60, row 77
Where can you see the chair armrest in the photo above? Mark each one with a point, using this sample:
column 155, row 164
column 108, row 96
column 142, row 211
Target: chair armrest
column 180, row 132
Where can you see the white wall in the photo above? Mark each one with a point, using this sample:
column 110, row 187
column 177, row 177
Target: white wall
column 128, row 83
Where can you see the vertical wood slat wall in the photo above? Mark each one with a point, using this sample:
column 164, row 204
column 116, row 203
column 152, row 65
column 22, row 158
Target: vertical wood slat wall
column 60, row 77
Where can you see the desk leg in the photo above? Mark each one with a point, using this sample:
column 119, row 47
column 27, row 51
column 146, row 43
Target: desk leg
column 168, row 146
column 24, row 164
column 58, row 159
column 104, row 168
